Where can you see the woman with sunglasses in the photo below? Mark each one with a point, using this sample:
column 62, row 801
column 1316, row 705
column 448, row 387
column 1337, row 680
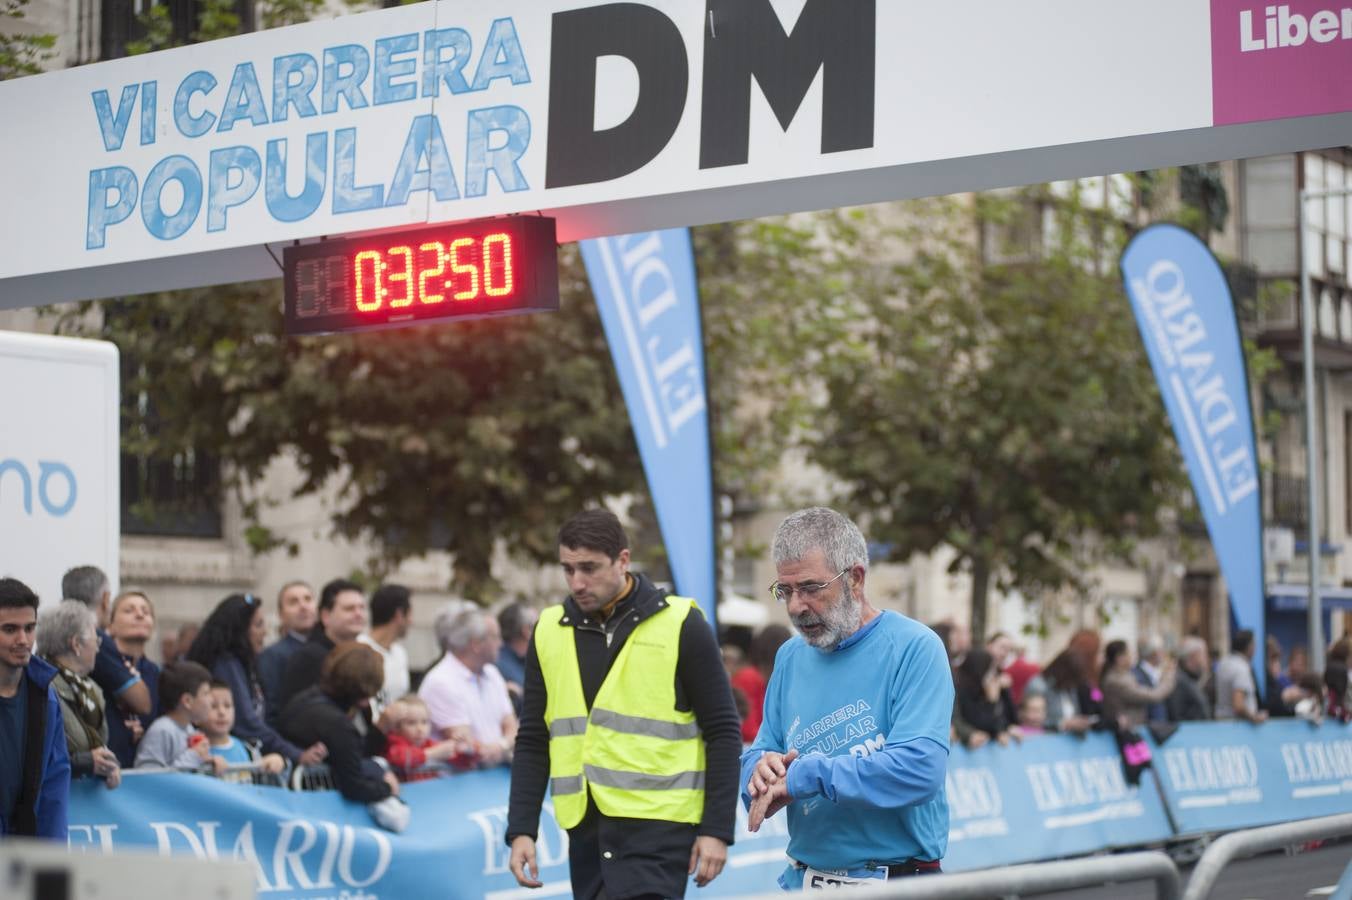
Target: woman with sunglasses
column 228, row 645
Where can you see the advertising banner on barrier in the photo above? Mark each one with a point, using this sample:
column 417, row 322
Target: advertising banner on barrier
column 1048, row 797
column 1218, row 776
column 1187, row 321
column 316, row 845
column 646, row 292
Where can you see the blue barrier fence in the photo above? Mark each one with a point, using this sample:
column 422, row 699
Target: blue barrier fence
column 1050, row 797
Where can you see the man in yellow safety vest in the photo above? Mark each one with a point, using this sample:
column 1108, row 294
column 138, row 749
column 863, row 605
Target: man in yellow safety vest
column 629, row 719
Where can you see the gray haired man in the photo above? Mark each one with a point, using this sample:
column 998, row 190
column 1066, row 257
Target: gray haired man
column 465, row 694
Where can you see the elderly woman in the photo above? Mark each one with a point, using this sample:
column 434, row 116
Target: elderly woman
column 332, row 714
column 68, row 639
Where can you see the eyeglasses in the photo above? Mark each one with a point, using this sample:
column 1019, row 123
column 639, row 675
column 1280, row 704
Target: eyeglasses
column 784, row 592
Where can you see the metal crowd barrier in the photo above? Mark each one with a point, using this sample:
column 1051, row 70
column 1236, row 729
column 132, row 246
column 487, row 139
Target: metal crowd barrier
column 1032, row 878
column 1240, row 844
column 238, row 773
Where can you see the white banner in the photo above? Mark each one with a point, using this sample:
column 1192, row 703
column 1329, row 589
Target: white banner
column 611, row 117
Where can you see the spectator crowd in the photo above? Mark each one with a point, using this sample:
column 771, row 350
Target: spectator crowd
column 1003, row 697
column 331, row 701
column 334, row 694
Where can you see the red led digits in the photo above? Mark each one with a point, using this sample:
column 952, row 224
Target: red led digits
column 368, row 293
column 487, row 268
column 434, row 269
column 502, row 265
column 399, row 275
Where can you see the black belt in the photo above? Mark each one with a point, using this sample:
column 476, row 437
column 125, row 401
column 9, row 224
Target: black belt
column 911, row 866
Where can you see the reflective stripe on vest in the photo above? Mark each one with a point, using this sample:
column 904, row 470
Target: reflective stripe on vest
column 636, row 755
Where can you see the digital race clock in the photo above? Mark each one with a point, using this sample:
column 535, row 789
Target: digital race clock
column 469, row 270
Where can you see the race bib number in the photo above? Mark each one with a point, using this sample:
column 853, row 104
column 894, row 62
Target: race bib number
column 817, row 880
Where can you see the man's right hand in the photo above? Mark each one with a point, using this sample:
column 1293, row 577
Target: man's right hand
column 522, row 862
column 769, row 770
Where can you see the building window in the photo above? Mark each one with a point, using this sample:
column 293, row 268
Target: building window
column 163, row 494
column 122, row 22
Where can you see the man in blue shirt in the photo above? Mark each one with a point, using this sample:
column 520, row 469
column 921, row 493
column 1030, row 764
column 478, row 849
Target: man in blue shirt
column 34, row 764
column 517, row 622
column 854, row 741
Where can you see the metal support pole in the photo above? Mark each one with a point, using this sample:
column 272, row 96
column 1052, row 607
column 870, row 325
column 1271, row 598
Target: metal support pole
column 1314, row 631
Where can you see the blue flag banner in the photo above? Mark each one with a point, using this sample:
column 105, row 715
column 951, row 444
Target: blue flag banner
column 1218, row 776
column 645, row 290
column 1187, row 320
column 1048, row 797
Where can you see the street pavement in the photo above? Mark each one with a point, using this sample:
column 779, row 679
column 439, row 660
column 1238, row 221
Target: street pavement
column 1272, row 876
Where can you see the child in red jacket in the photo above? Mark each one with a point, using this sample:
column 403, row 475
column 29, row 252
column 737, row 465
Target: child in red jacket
column 410, row 747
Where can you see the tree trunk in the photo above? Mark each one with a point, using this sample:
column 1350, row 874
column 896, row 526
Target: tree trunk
column 981, row 580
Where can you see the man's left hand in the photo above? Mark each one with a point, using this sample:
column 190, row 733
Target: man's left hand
column 707, row 858
column 774, row 798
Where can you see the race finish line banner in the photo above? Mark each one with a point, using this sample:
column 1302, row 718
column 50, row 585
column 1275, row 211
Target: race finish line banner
column 646, row 292
column 196, row 165
column 1187, row 320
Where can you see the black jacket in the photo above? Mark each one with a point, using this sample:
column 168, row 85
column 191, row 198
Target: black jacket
column 302, row 669
column 632, row 856
column 1188, row 702
column 315, row 716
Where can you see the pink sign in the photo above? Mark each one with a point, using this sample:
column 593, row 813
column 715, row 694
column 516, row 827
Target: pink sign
column 1280, row 60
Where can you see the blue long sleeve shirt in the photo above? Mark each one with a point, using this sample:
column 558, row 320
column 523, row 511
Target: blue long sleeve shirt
column 870, row 721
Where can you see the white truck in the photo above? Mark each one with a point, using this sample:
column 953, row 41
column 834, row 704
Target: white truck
column 59, row 463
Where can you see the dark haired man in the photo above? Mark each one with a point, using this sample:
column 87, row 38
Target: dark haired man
column 342, row 617
column 628, row 717
column 297, row 615
column 391, row 610
column 516, row 621
column 34, row 763
column 1236, row 689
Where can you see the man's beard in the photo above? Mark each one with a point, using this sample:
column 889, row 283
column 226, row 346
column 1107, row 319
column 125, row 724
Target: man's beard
column 838, row 621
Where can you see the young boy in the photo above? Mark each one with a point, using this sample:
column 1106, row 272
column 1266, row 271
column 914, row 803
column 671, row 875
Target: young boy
column 220, row 719
column 410, row 746
column 171, row 741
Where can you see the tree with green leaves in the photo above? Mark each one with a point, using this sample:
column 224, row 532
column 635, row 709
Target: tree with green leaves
column 1005, row 410
column 21, row 52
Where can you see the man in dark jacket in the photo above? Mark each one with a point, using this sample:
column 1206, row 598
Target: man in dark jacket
column 674, row 692
column 342, row 617
column 1188, row 702
column 35, row 775
column 296, row 609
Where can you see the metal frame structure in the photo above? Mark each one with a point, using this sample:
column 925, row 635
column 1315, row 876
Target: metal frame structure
column 1239, row 844
column 1034, row 878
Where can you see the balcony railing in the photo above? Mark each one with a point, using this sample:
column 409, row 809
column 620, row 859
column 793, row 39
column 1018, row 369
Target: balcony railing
column 1290, row 508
